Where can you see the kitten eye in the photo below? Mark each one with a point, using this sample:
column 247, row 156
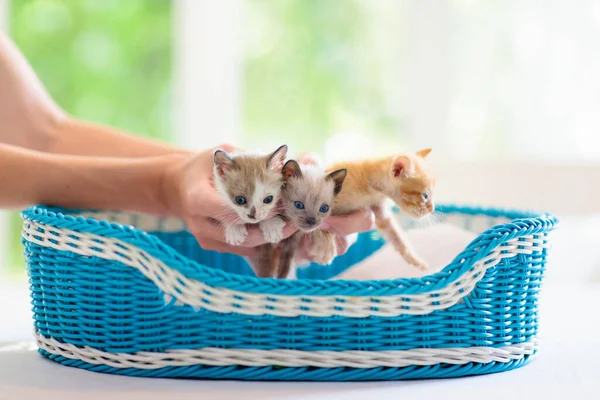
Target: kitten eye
column 425, row 196
column 324, row 208
column 241, row 200
column 299, row 205
column 268, row 199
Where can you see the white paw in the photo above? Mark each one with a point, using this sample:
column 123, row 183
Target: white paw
column 323, row 251
column 272, row 230
column 235, row 234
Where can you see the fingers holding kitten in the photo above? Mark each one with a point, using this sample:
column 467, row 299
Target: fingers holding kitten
column 214, row 235
column 208, row 243
column 356, row 222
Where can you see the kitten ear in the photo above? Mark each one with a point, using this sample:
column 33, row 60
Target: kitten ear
column 338, row 179
column 276, row 159
column 402, row 167
column 423, row 153
column 291, row 169
column 223, row 162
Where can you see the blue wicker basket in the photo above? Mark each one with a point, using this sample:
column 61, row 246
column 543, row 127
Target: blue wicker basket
column 148, row 301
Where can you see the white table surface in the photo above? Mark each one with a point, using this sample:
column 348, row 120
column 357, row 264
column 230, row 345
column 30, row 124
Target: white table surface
column 567, row 366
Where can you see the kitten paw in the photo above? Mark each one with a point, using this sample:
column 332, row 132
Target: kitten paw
column 235, row 234
column 272, row 230
column 323, row 251
column 416, row 262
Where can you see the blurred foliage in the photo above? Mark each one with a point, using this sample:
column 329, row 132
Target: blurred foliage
column 316, row 68
column 106, row 61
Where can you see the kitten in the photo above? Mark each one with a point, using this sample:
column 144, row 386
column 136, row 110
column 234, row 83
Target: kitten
column 405, row 179
column 307, row 196
column 251, row 185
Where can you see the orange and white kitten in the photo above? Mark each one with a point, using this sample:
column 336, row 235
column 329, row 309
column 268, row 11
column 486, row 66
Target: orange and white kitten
column 251, row 185
column 307, row 197
column 405, row 179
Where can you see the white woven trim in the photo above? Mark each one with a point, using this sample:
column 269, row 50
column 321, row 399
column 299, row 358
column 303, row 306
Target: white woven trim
column 200, row 295
column 214, row 356
column 144, row 222
column 149, row 223
column 471, row 223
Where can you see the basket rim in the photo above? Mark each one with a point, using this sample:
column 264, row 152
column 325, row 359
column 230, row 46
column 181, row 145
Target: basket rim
column 522, row 223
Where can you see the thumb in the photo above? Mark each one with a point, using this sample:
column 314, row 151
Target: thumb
column 203, row 200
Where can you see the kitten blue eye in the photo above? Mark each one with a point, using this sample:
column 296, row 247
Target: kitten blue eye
column 425, row 196
column 299, row 205
column 241, row 200
column 324, row 208
column 268, row 199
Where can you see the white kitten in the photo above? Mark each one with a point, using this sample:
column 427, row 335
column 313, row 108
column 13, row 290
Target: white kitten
column 307, row 197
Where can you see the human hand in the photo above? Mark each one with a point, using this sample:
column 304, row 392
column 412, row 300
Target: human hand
column 189, row 194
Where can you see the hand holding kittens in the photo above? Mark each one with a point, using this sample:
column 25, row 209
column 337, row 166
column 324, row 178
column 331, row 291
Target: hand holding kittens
column 189, row 193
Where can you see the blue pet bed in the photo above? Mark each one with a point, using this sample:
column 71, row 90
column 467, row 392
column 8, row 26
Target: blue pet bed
column 148, row 301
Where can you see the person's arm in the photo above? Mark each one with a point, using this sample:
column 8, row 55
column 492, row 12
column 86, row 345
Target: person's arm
column 71, row 136
column 31, row 119
column 29, row 177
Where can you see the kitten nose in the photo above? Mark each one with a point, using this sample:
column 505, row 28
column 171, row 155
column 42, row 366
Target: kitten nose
column 311, row 221
column 252, row 214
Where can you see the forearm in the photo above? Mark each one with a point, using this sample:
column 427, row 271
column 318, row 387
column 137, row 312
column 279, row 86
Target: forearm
column 29, row 177
column 81, row 138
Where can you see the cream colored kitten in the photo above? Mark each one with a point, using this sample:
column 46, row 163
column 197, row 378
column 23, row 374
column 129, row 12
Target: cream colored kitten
column 251, row 185
column 405, row 179
column 307, row 196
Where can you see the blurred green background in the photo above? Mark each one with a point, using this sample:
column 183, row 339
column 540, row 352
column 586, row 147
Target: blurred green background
column 103, row 61
column 315, row 68
column 310, row 68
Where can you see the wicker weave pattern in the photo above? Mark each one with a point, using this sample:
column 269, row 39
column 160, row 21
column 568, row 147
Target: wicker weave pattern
column 199, row 295
column 477, row 250
column 92, row 310
column 288, row 358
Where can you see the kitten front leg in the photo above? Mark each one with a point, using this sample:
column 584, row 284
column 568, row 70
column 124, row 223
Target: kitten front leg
column 322, row 248
column 235, row 234
column 393, row 234
column 272, row 229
